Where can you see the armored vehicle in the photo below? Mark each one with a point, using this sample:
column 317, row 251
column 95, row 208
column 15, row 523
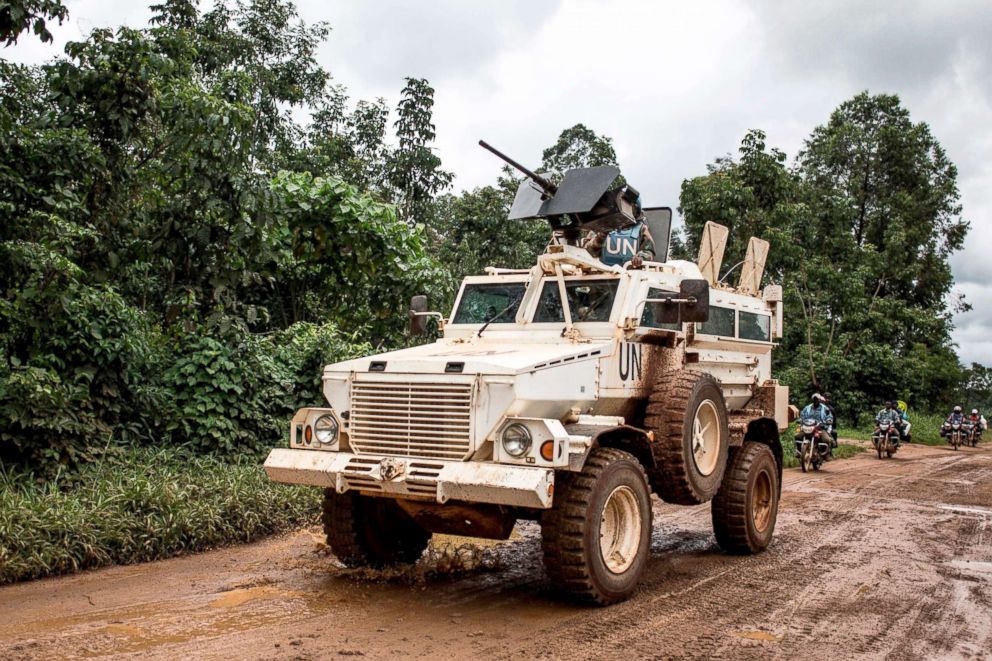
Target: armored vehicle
column 565, row 394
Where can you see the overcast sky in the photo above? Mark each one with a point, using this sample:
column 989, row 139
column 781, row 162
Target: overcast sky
column 675, row 84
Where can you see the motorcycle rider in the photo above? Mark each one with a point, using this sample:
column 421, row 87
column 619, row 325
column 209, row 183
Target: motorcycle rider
column 819, row 411
column 905, row 425
column 956, row 417
column 978, row 421
column 829, row 402
column 891, row 415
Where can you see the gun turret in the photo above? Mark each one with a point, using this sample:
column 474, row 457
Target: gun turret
column 583, row 200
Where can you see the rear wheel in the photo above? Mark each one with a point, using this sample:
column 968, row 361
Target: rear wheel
column 364, row 531
column 597, row 534
column 746, row 507
column 691, row 438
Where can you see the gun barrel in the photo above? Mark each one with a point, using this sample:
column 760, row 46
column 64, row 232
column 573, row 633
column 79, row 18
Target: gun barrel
column 548, row 187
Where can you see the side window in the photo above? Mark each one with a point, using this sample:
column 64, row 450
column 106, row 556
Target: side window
column 647, row 317
column 721, row 322
column 755, row 326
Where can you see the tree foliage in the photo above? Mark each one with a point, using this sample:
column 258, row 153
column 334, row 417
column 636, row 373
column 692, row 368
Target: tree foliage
column 162, row 231
column 17, row 16
column 577, row 147
column 861, row 229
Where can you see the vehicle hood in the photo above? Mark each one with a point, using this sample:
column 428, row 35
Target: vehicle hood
column 477, row 357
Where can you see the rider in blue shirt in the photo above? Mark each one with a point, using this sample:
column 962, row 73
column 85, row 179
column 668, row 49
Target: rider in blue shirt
column 819, row 411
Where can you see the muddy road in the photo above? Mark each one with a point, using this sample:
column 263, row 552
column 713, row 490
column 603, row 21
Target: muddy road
column 871, row 559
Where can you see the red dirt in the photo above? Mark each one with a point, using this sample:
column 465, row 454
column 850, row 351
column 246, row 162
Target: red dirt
column 870, row 559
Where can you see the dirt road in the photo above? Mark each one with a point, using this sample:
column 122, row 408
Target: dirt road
column 871, row 558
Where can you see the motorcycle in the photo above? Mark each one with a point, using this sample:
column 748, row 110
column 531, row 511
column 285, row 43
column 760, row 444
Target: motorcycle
column 811, row 451
column 885, row 438
column 974, row 432
column 956, row 434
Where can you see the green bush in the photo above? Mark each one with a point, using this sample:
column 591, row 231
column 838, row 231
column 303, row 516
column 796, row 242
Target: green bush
column 80, row 373
column 144, row 505
column 304, row 349
column 227, row 394
column 236, row 393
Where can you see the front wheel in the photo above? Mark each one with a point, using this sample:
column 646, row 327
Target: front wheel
column 364, row 531
column 596, row 536
column 807, row 458
column 745, row 509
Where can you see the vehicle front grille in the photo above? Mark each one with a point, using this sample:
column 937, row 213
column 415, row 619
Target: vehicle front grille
column 431, row 420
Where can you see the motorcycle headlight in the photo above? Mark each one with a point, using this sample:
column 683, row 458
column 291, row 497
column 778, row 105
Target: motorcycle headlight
column 516, row 439
column 807, row 429
column 325, row 429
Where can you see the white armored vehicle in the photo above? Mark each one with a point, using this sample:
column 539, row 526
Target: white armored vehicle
column 564, row 394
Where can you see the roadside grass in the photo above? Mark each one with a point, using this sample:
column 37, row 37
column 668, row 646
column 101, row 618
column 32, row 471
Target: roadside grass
column 143, row 505
column 854, row 433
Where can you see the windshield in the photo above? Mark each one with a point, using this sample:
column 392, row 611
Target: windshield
column 588, row 300
column 481, row 302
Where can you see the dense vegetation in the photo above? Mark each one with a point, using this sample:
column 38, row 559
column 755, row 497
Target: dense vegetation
column 861, row 228
column 194, row 219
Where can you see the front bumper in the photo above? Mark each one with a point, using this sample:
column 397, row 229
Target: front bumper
column 420, row 479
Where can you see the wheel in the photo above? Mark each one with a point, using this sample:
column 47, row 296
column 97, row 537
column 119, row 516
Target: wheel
column 596, row 536
column 808, row 464
column 746, row 507
column 364, row 531
column 688, row 416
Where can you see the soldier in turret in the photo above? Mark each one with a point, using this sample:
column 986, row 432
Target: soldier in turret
column 633, row 244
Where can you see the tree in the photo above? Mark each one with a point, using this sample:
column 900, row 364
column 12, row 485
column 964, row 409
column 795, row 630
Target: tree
column 861, row 230
column 577, row 147
column 144, row 220
column 413, row 169
column 16, row 16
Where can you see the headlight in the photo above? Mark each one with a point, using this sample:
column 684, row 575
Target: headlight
column 516, row 440
column 325, row 428
column 807, row 429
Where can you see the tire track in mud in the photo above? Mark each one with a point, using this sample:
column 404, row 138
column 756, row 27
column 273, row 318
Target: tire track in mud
column 833, row 585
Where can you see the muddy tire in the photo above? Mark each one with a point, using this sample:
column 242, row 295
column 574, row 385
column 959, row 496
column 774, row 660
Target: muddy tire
column 596, row 537
column 363, row 531
column 745, row 509
column 806, row 459
column 688, row 416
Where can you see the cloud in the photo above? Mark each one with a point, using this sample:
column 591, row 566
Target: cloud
column 378, row 43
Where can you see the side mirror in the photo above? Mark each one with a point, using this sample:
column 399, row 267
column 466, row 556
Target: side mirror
column 693, row 304
column 418, row 320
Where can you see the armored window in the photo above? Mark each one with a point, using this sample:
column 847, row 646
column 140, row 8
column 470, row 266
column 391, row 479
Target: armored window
column 484, row 302
column 755, row 326
column 721, row 322
column 647, row 316
column 588, row 300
